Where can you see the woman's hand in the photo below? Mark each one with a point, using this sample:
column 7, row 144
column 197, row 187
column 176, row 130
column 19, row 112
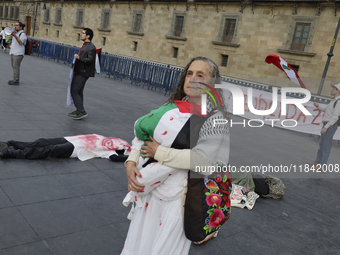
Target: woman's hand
column 149, row 148
column 132, row 172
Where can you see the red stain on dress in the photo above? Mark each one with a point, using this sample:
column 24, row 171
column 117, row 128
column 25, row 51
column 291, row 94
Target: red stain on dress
column 155, row 183
column 165, row 133
column 146, row 206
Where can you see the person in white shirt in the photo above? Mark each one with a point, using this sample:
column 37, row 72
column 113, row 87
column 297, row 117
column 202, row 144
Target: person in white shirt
column 330, row 125
column 3, row 39
column 17, row 51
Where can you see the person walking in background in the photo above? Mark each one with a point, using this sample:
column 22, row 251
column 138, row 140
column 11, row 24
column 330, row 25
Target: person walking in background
column 3, row 42
column 84, row 68
column 330, row 125
column 17, row 51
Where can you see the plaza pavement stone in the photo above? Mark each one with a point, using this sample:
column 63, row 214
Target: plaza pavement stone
column 69, row 207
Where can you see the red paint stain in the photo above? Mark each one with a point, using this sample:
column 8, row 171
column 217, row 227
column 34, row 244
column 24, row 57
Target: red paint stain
column 165, row 133
column 155, row 183
column 140, row 191
column 170, row 174
column 136, row 198
column 146, row 206
column 160, row 223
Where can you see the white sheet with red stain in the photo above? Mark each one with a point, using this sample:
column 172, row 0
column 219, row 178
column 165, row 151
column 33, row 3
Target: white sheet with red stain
column 91, row 146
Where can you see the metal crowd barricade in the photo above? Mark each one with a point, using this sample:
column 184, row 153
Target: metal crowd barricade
column 174, row 76
column 157, row 77
column 121, row 68
column 138, row 73
column 105, row 63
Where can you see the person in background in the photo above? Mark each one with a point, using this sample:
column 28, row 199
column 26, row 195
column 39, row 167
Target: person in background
column 330, row 125
column 83, row 69
column 3, row 39
column 17, row 51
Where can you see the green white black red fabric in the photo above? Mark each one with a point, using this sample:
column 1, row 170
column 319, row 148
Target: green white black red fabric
column 163, row 125
column 156, row 222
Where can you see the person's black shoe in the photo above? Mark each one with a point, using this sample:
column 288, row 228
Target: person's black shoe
column 118, row 158
column 3, row 149
column 73, row 114
column 80, row 115
column 13, row 83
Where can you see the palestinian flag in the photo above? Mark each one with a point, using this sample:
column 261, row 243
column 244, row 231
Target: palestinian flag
column 98, row 57
column 164, row 123
column 286, row 68
column 170, row 126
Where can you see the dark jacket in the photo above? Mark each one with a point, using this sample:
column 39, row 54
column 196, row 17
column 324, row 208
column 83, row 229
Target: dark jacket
column 85, row 65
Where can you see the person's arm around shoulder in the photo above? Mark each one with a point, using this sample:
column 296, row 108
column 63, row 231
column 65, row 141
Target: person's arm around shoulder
column 177, row 158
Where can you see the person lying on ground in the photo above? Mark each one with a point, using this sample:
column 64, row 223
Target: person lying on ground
column 83, row 147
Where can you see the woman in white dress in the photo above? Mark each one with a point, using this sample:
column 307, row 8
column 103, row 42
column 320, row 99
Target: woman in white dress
column 157, row 224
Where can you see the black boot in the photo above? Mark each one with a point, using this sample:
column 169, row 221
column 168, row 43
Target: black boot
column 3, row 149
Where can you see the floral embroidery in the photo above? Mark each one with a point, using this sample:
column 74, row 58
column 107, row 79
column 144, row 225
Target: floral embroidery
column 217, row 194
column 213, row 199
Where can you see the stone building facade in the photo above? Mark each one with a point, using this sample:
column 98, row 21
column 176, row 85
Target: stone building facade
column 237, row 35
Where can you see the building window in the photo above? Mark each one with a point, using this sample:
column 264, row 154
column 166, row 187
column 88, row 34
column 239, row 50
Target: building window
column 57, row 33
column 46, row 16
column 1, row 11
column 6, row 12
column 138, row 22
column 295, row 67
column 104, row 41
column 78, row 37
column 57, row 18
column 79, row 18
column 137, row 19
column 16, row 13
column 300, row 34
column 11, row 13
column 105, row 22
column 175, row 52
column 224, row 60
column 228, row 29
column 46, row 31
column 177, row 26
column 135, row 46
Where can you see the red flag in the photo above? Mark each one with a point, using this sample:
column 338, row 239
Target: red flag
column 286, row 68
